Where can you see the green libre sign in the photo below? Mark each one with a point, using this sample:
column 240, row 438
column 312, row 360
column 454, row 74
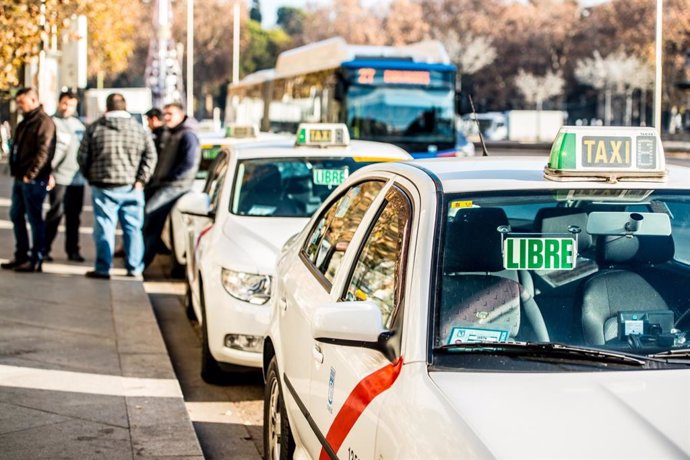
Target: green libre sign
column 330, row 177
column 539, row 253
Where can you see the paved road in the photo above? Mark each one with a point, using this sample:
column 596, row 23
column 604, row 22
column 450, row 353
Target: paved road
column 227, row 418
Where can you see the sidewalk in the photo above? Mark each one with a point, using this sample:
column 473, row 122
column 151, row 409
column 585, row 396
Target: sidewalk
column 84, row 372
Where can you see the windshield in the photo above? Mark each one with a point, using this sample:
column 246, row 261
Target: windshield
column 287, row 187
column 604, row 270
column 413, row 117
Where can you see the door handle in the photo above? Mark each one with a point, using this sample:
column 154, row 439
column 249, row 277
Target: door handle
column 316, row 353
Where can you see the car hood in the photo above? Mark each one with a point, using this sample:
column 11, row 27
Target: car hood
column 633, row 414
column 256, row 241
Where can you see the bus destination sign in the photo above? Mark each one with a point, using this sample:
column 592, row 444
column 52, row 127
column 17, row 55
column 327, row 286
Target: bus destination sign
column 370, row 76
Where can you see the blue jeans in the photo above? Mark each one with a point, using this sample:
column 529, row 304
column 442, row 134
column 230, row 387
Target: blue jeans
column 126, row 204
column 27, row 203
column 159, row 202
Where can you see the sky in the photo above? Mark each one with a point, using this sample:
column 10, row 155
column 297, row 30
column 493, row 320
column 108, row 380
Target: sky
column 269, row 7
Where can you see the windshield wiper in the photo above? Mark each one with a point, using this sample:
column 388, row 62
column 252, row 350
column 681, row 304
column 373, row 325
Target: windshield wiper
column 552, row 349
column 677, row 353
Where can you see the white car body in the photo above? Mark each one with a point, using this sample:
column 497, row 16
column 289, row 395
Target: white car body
column 174, row 232
column 246, row 244
column 363, row 404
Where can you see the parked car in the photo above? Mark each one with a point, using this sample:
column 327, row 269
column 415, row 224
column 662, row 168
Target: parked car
column 489, row 308
column 174, row 232
column 256, row 197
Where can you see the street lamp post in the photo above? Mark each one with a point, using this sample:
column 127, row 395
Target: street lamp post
column 236, row 42
column 659, row 63
column 190, row 58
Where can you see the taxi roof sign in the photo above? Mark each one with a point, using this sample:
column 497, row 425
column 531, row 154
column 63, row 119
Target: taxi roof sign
column 606, row 153
column 322, row 135
column 240, row 131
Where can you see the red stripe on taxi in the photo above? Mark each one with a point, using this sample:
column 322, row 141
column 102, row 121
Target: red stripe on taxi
column 201, row 234
column 369, row 388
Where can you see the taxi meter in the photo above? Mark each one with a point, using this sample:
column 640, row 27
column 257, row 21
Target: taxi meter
column 241, row 131
column 322, row 135
column 609, row 154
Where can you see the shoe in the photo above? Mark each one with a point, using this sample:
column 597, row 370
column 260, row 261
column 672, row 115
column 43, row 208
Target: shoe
column 48, row 258
column 29, row 267
column 75, row 257
column 96, row 275
column 12, row 264
column 134, row 275
column 119, row 253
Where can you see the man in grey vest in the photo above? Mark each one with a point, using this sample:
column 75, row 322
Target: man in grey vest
column 174, row 175
column 67, row 194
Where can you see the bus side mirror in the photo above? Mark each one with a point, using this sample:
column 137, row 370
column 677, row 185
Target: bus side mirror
column 340, row 90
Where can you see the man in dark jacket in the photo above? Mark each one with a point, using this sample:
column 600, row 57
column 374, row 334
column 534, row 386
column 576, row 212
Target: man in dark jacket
column 154, row 119
column 117, row 158
column 174, row 175
column 32, row 153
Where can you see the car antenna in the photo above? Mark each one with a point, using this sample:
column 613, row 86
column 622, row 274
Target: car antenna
column 476, row 121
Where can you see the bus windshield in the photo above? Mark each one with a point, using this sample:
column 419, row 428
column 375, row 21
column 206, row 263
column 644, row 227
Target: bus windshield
column 410, row 117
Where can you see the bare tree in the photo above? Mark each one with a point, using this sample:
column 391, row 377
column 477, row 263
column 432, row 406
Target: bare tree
column 536, row 89
column 470, row 53
column 617, row 74
column 405, row 22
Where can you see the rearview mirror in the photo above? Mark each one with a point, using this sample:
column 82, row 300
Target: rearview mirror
column 629, row 223
column 348, row 323
column 195, row 204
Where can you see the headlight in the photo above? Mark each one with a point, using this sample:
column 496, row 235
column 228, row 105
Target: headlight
column 248, row 287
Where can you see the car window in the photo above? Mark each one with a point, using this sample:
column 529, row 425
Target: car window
column 215, row 179
column 377, row 274
column 209, row 152
column 333, row 232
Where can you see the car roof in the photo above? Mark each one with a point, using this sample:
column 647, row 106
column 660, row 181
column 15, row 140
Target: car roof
column 287, row 148
column 218, row 138
column 479, row 174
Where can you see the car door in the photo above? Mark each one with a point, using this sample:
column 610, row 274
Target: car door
column 346, row 379
column 198, row 226
column 307, row 284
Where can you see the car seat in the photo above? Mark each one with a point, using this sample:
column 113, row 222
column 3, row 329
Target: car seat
column 262, row 189
column 477, row 291
column 618, row 288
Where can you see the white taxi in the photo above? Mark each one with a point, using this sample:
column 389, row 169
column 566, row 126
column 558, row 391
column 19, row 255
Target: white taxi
column 174, row 232
column 489, row 307
column 256, row 196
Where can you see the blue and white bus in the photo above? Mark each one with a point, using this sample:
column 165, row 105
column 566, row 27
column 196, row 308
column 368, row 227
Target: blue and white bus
column 401, row 95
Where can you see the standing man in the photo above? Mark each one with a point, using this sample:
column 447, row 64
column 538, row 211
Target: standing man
column 174, row 175
column 32, row 153
column 154, row 119
column 117, row 158
column 67, row 195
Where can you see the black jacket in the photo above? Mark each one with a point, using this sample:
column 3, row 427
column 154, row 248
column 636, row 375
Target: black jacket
column 33, row 146
column 178, row 162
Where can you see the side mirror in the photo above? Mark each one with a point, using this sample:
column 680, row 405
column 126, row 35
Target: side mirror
column 348, row 323
column 195, row 204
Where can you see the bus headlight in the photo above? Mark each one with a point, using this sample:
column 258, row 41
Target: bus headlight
column 248, row 287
